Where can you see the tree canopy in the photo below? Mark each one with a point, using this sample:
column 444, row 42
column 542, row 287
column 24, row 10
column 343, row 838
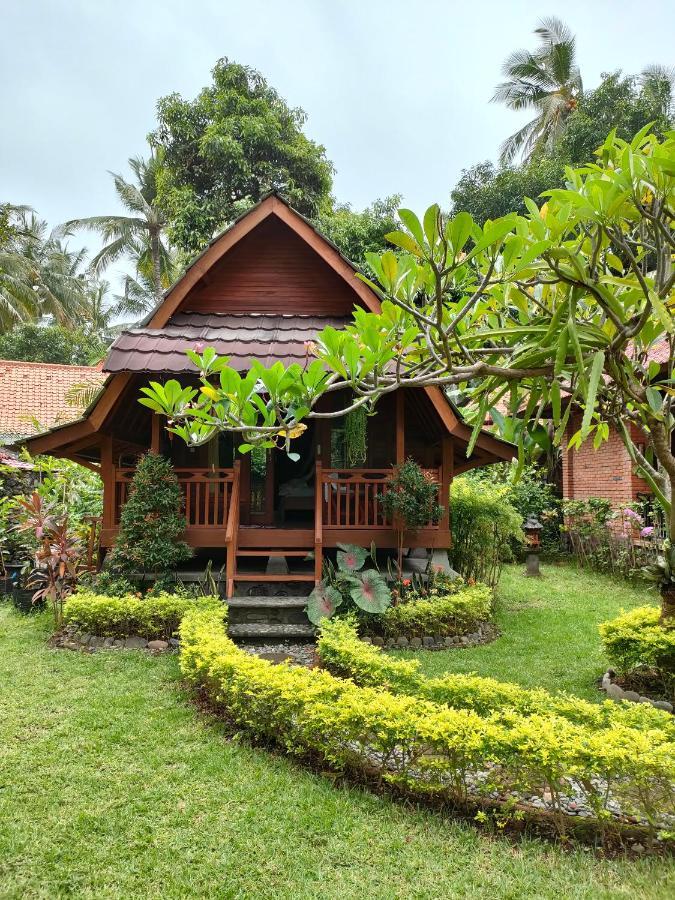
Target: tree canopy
column 358, row 233
column 52, row 344
column 223, row 150
column 623, row 103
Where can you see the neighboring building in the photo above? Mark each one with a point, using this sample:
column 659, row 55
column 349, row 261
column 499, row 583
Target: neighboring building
column 33, row 397
column 262, row 290
column 606, row 472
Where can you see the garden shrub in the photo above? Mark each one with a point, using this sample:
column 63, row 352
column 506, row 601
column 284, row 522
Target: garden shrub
column 639, row 639
column 344, row 654
column 422, row 746
column 151, row 522
column 152, row 617
column 448, row 613
column 484, row 527
column 530, row 494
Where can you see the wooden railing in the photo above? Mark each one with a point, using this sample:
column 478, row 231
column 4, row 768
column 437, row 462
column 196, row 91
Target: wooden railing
column 318, row 523
column 352, row 498
column 207, row 493
column 232, row 531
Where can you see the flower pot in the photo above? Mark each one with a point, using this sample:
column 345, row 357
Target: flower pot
column 22, row 598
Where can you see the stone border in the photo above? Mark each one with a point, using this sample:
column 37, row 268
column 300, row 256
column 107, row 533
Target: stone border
column 69, row 638
column 616, row 693
column 484, row 634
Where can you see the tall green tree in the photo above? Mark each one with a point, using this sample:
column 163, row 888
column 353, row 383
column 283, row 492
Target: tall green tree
column 39, row 274
column 358, row 233
column 140, row 235
column 223, row 150
column 52, row 344
column 546, row 80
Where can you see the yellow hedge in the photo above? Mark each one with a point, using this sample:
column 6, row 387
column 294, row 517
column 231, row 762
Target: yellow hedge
column 423, row 745
column 345, row 655
column 151, row 617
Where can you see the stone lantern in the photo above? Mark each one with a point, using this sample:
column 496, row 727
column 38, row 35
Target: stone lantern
column 532, row 528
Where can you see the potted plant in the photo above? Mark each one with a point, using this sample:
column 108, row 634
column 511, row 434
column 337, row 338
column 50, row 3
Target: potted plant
column 410, row 503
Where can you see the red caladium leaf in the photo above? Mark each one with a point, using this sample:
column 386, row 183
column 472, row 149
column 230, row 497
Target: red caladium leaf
column 322, row 603
column 370, row 592
column 351, row 558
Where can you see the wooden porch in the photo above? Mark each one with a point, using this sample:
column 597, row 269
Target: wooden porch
column 347, row 508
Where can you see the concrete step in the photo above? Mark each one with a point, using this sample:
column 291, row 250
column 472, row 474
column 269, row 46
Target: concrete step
column 264, row 633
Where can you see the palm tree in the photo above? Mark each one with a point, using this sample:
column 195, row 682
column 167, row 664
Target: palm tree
column 141, row 234
column 39, row 274
column 547, row 81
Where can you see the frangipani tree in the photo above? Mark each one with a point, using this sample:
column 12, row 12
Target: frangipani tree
column 556, row 310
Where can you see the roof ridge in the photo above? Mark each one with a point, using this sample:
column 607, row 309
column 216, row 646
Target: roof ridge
column 43, row 365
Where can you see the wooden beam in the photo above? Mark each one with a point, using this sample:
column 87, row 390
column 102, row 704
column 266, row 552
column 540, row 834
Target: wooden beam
column 154, row 440
column 447, row 466
column 108, row 476
column 400, row 427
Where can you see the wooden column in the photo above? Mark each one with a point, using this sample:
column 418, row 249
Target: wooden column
column 447, row 470
column 108, row 477
column 400, row 427
column 155, row 433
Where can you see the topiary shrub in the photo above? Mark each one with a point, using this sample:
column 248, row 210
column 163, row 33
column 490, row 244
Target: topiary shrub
column 640, row 640
column 485, row 525
column 152, row 521
column 152, row 617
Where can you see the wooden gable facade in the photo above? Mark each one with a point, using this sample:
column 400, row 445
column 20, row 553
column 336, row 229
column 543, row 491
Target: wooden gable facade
column 261, row 290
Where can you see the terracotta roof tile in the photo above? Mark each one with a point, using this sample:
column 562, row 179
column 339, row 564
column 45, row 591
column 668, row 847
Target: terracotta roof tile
column 37, row 391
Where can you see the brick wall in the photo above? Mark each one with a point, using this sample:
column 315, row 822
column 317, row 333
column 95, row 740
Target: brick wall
column 605, row 472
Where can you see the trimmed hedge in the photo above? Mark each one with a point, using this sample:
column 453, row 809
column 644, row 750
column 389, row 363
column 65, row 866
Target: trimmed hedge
column 151, row 617
column 454, row 613
column 422, row 746
column 343, row 654
column 639, row 639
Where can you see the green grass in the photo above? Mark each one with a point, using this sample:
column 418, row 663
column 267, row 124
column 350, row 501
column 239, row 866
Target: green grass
column 112, row 784
column 549, row 630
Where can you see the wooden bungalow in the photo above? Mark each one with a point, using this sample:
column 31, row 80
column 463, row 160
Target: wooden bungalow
column 262, row 289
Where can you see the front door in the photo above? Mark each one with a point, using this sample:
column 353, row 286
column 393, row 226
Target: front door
column 262, row 487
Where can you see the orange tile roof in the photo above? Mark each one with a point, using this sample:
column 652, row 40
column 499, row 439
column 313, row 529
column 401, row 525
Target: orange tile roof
column 33, row 396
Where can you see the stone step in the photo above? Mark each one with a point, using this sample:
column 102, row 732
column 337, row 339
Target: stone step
column 267, row 611
column 267, row 602
column 263, row 633
column 263, row 576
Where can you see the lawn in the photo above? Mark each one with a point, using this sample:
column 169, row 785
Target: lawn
column 112, row 784
column 549, row 630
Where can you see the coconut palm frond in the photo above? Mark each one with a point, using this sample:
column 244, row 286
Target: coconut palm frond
column 83, row 394
column 548, row 81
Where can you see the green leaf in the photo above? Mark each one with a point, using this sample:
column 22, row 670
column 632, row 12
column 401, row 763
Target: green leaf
column 662, row 312
column 654, row 399
column 597, row 368
column 413, row 224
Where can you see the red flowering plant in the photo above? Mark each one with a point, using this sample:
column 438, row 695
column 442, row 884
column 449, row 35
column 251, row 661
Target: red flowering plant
column 57, row 555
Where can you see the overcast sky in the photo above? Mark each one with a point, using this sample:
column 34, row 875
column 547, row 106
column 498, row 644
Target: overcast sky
column 398, row 92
